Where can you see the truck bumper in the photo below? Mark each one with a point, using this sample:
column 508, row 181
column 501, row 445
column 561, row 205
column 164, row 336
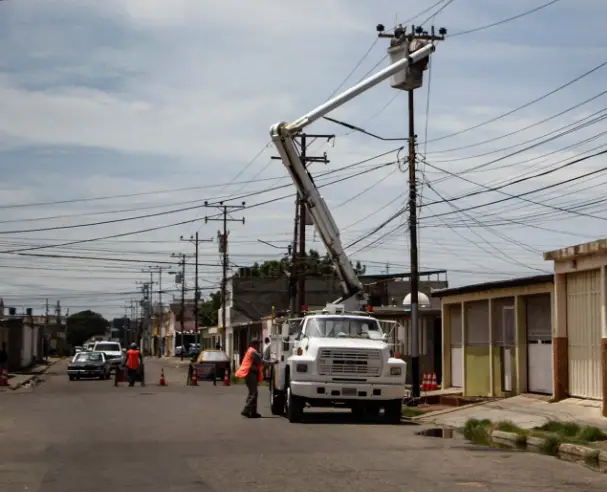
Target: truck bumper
column 347, row 391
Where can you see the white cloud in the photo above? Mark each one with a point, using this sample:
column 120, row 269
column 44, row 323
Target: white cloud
column 127, row 96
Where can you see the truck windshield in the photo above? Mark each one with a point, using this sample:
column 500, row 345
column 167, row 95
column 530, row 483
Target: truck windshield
column 343, row 327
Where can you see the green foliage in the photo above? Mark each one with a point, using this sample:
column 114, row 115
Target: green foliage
column 207, row 310
column 507, row 426
column 591, row 434
column 478, row 431
column 551, row 445
column 313, row 265
column 84, row 325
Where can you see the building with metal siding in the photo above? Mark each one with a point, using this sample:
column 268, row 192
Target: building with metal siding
column 580, row 321
column 496, row 337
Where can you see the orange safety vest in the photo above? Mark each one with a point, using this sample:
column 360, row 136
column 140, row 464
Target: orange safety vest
column 245, row 366
column 132, row 359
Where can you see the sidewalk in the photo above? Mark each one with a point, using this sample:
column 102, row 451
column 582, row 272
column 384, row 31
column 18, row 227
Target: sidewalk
column 18, row 379
column 524, row 411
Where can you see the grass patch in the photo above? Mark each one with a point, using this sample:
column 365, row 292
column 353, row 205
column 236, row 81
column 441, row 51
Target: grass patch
column 478, row 431
column 570, row 432
column 507, row 426
column 411, row 412
column 551, row 445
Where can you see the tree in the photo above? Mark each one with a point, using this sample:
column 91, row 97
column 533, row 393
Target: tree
column 314, row 265
column 208, row 309
column 84, row 325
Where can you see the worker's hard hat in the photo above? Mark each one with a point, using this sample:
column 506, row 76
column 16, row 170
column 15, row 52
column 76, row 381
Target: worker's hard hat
column 133, row 345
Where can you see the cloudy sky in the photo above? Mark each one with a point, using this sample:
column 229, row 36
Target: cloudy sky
column 120, row 118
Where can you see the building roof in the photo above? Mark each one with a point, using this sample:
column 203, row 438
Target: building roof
column 585, row 249
column 499, row 284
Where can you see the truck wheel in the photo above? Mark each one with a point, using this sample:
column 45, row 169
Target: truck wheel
column 294, row 406
column 277, row 398
column 72, row 378
column 393, row 410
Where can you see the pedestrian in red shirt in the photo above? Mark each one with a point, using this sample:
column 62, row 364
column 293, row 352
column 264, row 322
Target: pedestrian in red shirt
column 134, row 361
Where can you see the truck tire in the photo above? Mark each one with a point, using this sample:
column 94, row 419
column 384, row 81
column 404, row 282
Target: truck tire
column 277, row 398
column 294, row 406
column 393, row 410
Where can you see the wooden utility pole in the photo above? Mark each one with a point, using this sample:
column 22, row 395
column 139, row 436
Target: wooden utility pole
column 401, row 44
column 223, row 250
column 196, row 241
column 298, row 271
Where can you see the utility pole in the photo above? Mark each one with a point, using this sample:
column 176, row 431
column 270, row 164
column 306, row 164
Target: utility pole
column 196, row 241
column 298, row 271
column 181, row 279
column 44, row 338
column 158, row 270
column 401, row 44
column 223, row 249
column 58, row 322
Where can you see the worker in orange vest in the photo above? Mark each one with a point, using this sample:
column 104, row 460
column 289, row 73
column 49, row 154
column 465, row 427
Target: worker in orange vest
column 134, row 361
column 251, row 370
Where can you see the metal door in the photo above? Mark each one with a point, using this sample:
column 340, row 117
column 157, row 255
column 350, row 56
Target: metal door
column 584, row 334
column 538, row 314
column 457, row 351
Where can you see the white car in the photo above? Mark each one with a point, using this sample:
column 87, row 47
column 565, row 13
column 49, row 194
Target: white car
column 113, row 352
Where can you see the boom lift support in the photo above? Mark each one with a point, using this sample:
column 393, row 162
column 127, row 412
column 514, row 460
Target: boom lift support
column 282, row 135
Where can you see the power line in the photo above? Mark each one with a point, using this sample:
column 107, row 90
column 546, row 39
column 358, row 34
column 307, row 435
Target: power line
column 526, row 105
column 504, row 21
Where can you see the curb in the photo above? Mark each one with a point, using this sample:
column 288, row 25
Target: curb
column 431, row 415
column 33, row 375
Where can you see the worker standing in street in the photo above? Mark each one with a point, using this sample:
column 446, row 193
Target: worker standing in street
column 251, row 370
column 134, row 361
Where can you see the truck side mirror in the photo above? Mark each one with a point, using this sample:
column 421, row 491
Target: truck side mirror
column 384, row 337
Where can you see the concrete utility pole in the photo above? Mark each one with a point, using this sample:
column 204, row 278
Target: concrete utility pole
column 401, row 44
column 158, row 270
column 196, row 241
column 223, row 249
column 298, row 270
column 180, row 279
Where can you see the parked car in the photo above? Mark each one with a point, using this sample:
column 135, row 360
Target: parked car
column 89, row 364
column 217, row 359
column 113, row 352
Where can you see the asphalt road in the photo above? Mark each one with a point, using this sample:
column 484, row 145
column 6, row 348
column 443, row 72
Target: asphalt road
column 89, row 436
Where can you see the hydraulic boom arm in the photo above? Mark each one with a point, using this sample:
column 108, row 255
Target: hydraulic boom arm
column 282, row 135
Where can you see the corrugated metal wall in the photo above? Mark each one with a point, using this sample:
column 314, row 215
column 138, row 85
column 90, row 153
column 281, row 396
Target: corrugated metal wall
column 584, row 334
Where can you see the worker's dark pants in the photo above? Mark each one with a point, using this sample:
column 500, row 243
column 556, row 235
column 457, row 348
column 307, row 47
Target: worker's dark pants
column 250, row 380
column 132, row 376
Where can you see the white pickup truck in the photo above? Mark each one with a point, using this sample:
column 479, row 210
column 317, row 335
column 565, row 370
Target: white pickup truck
column 336, row 359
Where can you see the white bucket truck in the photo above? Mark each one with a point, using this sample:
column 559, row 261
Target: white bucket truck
column 336, row 359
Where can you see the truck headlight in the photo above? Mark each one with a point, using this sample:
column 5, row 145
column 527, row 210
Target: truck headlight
column 301, row 367
column 395, row 371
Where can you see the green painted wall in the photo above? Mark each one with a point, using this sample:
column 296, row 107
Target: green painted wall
column 478, row 381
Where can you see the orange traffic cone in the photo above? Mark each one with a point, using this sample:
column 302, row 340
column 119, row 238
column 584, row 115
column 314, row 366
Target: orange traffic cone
column 194, row 379
column 4, row 377
column 226, row 379
column 433, row 382
column 162, row 380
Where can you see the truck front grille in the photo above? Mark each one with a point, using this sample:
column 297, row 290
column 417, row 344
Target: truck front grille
column 354, row 362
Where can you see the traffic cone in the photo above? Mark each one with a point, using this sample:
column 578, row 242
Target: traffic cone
column 226, row 379
column 425, row 383
column 433, row 382
column 162, row 380
column 4, row 377
column 194, row 379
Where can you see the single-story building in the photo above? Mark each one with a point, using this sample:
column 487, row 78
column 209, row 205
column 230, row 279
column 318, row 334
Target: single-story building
column 497, row 337
column 580, row 327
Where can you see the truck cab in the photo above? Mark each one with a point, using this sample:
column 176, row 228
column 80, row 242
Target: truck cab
column 336, row 359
